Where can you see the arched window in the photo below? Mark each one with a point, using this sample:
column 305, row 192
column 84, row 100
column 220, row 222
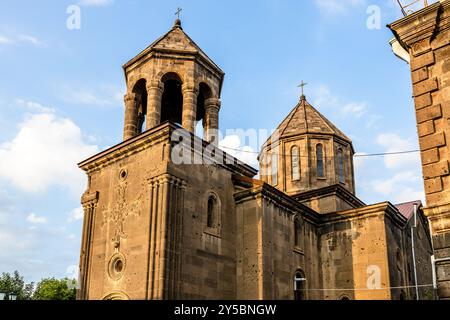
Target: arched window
column 319, row 159
column 172, row 98
column 295, row 163
column 299, row 286
column 212, row 206
column 274, row 169
column 341, row 165
column 140, row 89
column 297, row 232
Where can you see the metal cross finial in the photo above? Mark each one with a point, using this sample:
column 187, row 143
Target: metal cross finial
column 302, row 85
column 178, row 12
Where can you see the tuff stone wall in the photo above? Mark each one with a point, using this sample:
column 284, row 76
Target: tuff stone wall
column 426, row 36
column 267, row 257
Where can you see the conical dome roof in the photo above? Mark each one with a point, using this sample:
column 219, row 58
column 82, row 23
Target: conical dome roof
column 305, row 119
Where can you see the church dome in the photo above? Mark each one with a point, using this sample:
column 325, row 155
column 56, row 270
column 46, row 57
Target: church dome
column 306, row 152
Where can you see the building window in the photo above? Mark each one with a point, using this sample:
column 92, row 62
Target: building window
column 341, row 166
column 297, row 232
column 299, row 286
column 274, row 169
column 212, row 206
column 295, row 163
column 319, row 157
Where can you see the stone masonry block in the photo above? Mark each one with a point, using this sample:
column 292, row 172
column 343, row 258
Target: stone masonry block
column 425, row 86
column 425, row 128
column 430, row 156
column 433, row 185
column 436, row 170
column 420, row 75
column 432, row 141
column 423, row 101
column 422, row 61
column 429, row 113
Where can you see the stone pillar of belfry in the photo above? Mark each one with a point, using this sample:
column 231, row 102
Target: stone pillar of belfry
column 211, row 120
column 189, row 107
column 155, row 91
column 130, row 124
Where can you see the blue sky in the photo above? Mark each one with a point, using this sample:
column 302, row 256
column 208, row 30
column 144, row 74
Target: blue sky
column 61, row 98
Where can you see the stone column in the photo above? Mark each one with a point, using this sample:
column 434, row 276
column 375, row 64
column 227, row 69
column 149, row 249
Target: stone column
column 189, row 107
column 130, row 125
column 155, row 91
column 165, row 237
column 211, row 120
column 89, row 202
column 424, row 35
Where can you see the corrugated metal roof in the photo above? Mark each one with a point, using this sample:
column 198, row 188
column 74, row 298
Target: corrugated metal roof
column 407, row 208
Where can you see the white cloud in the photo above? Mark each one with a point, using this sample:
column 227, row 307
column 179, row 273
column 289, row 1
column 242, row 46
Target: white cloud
column 333, row 7
column 33, row 106
column 30, row 39
column 327, row 100
column 356, row 109
column 5, row 40
column 96, row 3
column 231, row 144
column 45, row 153
column 76, row 214
column 72, row 272
column 18, row 39
column 103, row 96
column 359, row 161
column 394, row 143
column 35, row 219
column 400, row 188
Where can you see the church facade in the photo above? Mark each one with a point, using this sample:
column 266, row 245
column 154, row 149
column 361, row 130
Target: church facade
column 156, row 227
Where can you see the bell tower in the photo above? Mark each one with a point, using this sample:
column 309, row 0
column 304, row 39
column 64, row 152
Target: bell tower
column 172, row 80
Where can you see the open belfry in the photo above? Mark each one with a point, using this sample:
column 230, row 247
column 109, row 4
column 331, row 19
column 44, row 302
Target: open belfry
column 425, row 38
column 156, row 227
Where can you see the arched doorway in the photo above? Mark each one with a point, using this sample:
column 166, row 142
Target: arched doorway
column 172, row 99
column 116, row 296
column 299, row 286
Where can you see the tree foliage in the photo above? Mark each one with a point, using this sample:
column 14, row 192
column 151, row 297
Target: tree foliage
column 54, row 289
column 14, row 284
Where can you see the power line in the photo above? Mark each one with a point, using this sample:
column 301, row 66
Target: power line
column 368, row 289
column 356, row 155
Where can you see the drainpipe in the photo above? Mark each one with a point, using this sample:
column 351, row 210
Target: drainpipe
column 414, row 226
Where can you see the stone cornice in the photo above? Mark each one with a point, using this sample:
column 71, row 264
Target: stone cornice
column 126, row 148
column 336, row 189
column 156, row 135
column 421, row 25
column 436, row 210
column 265, row 191
column 384, row 208
column 259, row 189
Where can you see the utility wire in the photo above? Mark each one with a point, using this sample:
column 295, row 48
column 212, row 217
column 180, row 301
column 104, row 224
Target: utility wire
column 356, row 155
column 368, row 289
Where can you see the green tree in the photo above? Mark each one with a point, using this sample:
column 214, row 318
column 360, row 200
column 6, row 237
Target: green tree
column 54, row 289
column 14, row 284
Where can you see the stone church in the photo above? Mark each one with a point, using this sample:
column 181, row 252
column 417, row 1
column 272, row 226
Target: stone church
column 155, row 228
